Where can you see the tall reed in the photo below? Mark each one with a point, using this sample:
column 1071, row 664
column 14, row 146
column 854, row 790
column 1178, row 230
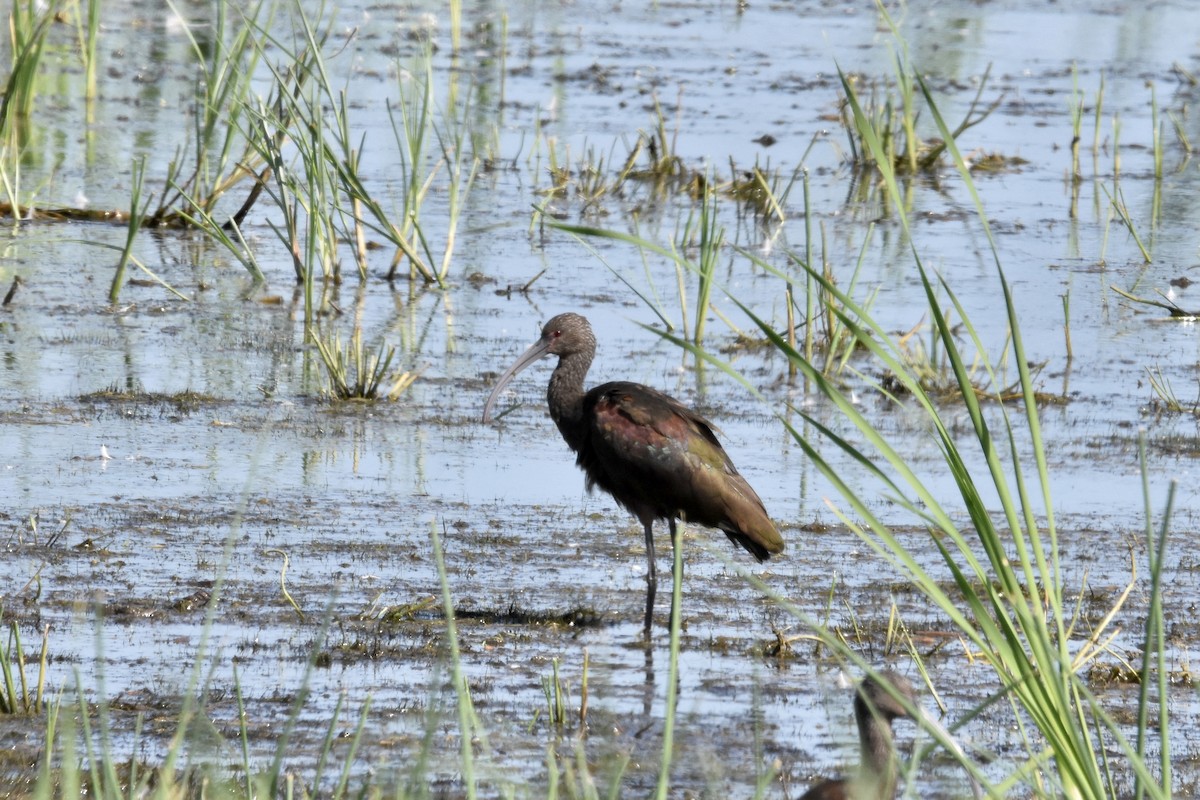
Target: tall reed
column 90, row 40
column 668, row 744
column 468, row 723
column 1011, row 603
column 137, row 208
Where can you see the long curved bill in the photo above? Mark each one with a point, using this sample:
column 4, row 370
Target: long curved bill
column 948, row 741
column 539, row 349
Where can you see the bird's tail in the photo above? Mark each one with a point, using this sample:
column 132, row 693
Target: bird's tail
column 758, row 545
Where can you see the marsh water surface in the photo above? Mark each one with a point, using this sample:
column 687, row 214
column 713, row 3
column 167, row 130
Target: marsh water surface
column 160, row 449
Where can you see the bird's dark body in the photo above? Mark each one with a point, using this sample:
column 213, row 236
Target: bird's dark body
column 655, row 456
column 661, row 460
column 834, row 789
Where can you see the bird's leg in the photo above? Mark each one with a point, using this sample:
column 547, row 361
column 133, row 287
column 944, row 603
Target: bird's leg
column 651, row 573
column 674, row 544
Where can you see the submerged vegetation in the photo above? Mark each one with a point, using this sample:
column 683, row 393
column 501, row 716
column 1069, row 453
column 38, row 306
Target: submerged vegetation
column 279, row 161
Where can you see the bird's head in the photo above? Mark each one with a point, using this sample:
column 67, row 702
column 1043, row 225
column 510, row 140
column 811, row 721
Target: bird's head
column 891, row 704
column 564, row 335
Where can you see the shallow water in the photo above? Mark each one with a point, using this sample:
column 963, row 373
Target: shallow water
column 217, row 486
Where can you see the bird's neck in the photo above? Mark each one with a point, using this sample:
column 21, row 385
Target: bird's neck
column 878, row 774
column 565, row 397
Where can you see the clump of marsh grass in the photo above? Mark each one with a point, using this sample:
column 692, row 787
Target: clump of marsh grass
column 418, row 122
column 28, row 24
column 893, row 123
column 664, row 172
column 296, row 147
column 760, row 192
column 652, row 172
column 219, row 156
column 354, row 373
column 18, row 694
column 557, row 697
column 288, row 133
column 808, row 305
column 881, row 127
column 414, row 122
column 1167, row 399
column 589, row 181
column 929, row 364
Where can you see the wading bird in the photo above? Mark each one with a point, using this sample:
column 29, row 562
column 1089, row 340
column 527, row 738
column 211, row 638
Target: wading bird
column 875, row 708
column 656, row 457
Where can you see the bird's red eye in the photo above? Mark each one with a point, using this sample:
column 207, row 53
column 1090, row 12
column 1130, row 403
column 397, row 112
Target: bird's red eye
column 556, row 334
